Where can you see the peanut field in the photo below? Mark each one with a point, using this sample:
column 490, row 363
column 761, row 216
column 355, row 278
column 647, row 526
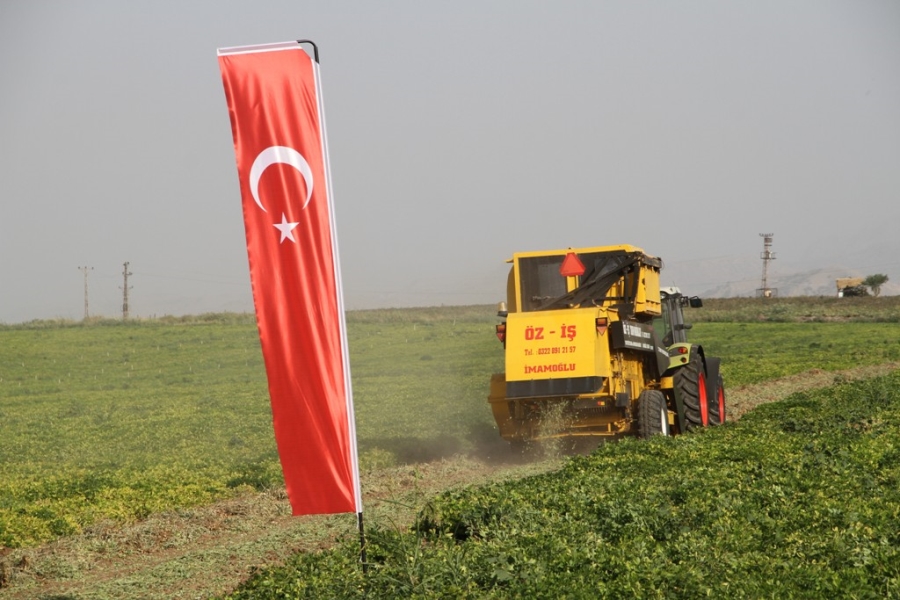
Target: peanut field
column 108, row 422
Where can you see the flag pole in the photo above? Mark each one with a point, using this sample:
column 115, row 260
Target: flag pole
column 359, row 516
column 315, row 48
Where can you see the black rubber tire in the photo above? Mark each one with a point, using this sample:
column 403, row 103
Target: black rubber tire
column 652, row 414
column 717, row 406
column 690, row 384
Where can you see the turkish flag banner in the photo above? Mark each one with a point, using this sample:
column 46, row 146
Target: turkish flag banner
column 275, row 103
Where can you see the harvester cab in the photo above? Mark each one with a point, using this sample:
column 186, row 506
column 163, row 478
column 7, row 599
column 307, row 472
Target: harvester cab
column 594, row 347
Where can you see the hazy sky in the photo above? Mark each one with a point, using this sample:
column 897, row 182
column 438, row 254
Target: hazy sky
column 460, row 132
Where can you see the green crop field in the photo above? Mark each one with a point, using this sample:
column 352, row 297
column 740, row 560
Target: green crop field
column 111, row 420
column 108, row 422
column 799, row 499
column 119, row 421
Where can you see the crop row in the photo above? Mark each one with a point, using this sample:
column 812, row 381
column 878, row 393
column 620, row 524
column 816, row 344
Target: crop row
column 800, row 499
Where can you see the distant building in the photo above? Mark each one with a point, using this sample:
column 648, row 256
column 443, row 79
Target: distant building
column 844, row 283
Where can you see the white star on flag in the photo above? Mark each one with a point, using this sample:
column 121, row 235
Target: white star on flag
column 286, row 228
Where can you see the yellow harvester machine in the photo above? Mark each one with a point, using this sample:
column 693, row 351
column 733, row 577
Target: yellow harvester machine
column 594, row 347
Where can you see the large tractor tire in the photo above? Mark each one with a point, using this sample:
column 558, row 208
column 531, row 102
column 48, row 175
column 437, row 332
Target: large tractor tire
column 652, row 414
column 717, row 406
column 690, row 385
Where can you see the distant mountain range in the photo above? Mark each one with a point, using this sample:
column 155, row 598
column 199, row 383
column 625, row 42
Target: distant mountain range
column 740, row 277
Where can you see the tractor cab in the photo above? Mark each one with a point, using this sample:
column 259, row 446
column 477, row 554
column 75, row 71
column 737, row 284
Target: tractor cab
column 671, row 325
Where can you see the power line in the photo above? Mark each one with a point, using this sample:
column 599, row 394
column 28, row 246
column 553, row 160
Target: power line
column 125, row 289
column 85, row 270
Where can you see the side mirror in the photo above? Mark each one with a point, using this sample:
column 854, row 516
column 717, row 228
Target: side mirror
column 695, row 302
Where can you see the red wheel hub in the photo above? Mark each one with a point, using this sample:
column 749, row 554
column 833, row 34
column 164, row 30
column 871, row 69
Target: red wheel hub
column 704, row 400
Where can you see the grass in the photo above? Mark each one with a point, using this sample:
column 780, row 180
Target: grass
column 121, row 422
column 884, row 309
column 755, row 352
column 117, row 421
column 420, row 379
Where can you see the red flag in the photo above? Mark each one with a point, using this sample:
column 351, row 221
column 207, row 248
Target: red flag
column 275, row 103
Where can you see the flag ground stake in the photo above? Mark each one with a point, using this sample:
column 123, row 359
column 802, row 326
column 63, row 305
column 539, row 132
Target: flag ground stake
column 362, row 543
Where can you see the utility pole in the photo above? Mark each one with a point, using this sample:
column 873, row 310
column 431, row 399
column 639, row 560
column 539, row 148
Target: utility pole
column 85, row 270
column 125, row 288
column 766, row 255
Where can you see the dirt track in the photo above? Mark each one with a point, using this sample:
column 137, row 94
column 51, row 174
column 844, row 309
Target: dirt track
column 207, row 551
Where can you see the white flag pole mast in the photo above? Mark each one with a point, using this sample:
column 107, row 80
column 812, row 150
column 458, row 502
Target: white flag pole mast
column 343, row 325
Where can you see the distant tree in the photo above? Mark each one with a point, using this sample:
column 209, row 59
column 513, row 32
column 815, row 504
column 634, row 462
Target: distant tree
column 875, row 282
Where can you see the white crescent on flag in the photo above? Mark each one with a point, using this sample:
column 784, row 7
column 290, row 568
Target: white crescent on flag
column 284, row 155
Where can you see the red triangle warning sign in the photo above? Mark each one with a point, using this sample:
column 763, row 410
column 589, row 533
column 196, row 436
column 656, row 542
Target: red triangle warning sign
column 571, row 266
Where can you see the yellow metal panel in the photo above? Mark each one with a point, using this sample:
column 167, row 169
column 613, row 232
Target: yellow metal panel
column 512, row 294
column 500, row 406
column 623, row 247
column 647, row 300
column 555, row 344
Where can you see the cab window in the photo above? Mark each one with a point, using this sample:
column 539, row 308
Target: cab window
column 540, row 280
